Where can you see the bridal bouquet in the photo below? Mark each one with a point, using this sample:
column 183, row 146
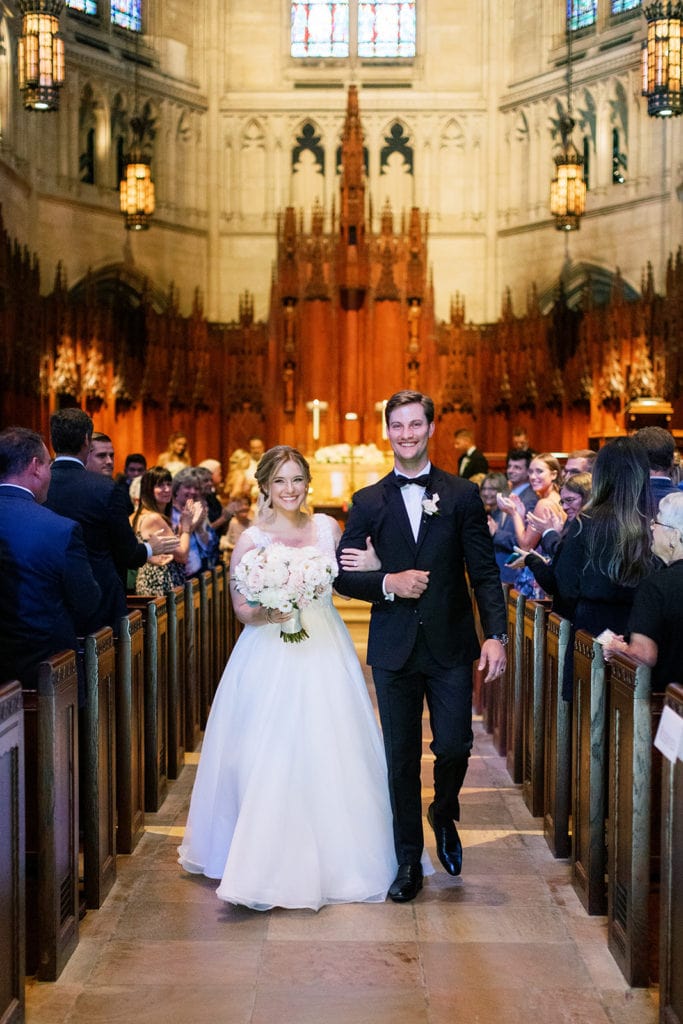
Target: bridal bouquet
column 286, row 580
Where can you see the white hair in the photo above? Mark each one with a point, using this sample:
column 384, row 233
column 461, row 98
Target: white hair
column 671, row 510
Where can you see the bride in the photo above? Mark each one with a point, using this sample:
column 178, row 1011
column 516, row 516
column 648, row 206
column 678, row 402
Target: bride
column 290, row 806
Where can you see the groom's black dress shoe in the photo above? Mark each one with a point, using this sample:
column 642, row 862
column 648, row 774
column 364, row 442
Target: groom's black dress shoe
column 407, row 883
column 448, row 845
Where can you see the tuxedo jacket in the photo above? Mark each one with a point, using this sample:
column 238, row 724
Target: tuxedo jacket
column 47, row 589
column 99, row 506
column 453, row 540
column 477, row 463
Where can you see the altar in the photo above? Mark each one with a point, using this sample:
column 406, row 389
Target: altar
column 339, row 470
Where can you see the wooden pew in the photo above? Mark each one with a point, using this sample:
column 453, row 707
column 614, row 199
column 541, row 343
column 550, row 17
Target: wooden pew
column 51, row 774
column 175, row 609
column 97, row 752
column 633, row 821
column 130, row 738
column 193, row 664
column 557, row 750
column 208, row 681
column 220, row 590
column 12, row 855
column 671, row 892
column 510, row 709
column 532, row 703
column 154, row 612
column 589, row 773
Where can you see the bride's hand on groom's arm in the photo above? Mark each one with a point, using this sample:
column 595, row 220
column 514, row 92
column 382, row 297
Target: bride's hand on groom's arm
column 360, row 559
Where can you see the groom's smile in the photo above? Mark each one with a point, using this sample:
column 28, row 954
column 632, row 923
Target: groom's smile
column 409, row 434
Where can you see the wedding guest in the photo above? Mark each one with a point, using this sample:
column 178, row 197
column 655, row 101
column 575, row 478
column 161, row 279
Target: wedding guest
column 607, row 550
column 240, row 522
column 655, row 623
column 579, row 461
column 544, row 478
column 95, row 502
column 290, row 805
column 427, row 527
column 162, row 573
column 660, row 449
column 203, row 546
column 135, row 466
column 470, row 460
column 48, row 588
column 239, row 482
column 177, row 455
column 100, row 458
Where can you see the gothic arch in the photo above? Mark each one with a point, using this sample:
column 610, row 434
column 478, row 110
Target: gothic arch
column 579, row 277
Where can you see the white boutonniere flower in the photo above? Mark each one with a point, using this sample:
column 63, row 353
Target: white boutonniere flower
column 430, row 504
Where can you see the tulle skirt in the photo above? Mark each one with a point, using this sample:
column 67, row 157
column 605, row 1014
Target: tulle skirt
column 290, row 806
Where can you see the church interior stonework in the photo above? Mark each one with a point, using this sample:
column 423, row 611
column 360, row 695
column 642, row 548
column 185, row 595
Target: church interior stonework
column 332, row 224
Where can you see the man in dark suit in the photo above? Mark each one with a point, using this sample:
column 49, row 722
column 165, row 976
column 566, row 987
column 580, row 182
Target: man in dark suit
column 95, row 502
column 48, row 589
column 426, row 527
column 471, row 461
column 660, row 448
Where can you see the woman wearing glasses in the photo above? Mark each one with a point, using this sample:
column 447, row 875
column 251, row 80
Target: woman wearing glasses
column 655, row 624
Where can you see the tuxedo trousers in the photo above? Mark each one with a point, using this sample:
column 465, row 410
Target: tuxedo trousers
column 400, row 699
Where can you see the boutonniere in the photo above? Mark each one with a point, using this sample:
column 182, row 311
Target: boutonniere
column 430, row 504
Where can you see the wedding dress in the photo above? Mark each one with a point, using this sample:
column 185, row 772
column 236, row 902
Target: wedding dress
column 290, row 806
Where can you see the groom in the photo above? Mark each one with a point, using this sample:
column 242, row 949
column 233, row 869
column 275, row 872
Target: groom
column 427, row 527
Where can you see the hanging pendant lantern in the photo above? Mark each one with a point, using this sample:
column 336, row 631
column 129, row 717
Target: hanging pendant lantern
column 568, row 188
column 40, row 56
column 136, row 187
column 661, row 59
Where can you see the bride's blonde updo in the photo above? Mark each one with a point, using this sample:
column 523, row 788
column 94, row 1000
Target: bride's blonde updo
column 268, row 468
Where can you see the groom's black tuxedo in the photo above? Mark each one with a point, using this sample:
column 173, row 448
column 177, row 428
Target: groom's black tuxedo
column 425, row 647
column 453, row 537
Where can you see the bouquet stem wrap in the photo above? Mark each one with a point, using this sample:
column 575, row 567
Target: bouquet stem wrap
column 292, row 631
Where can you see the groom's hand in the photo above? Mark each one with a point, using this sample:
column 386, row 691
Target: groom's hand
column 410, row 583
column 493, row 659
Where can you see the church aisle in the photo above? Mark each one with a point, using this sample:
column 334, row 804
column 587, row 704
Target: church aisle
column 508, row 941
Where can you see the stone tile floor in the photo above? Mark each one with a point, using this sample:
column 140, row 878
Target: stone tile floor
column 507, row 942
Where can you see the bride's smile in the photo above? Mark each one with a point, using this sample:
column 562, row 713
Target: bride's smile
column 288, row 489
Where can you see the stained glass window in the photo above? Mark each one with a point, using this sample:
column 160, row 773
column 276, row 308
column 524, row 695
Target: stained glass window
column 320, row 29
column 84, row 6
column 619, row 6
column 581, row 13
column 386, row 29
column 127, row 14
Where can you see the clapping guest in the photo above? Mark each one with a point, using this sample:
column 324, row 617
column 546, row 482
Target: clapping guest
column 203, row 541
column 544, row 478
column 655, row 624
column 161, row 573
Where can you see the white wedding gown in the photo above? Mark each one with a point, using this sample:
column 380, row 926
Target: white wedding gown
column 290, row 806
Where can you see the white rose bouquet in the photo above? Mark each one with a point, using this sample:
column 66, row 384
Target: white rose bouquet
column 287, row 580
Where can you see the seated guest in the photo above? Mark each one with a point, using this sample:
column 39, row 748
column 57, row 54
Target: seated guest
column 660, row 449
column 176, row 456
column 579, row 461
column 101, row 455
column 655, row 624
column 95, row 502
column 48, row 588
column 471, row 461
column 203, row 549
column 520, row 439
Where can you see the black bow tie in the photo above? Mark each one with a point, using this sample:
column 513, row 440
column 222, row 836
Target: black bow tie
column 421, row 481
